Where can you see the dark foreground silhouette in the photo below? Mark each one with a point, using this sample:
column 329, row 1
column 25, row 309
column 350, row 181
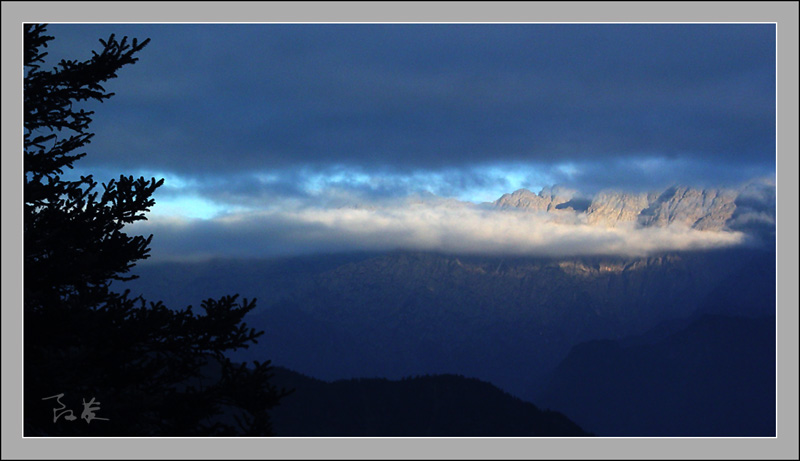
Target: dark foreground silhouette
column 97, row 361
column 425, row 406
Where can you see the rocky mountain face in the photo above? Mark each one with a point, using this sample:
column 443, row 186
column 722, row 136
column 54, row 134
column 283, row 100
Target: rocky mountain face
column 702, row 209
column 706, row 209
column 548, row 199
column 610, row 208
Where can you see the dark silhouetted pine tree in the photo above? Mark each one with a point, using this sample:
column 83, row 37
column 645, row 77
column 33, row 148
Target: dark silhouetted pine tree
column 152, row 371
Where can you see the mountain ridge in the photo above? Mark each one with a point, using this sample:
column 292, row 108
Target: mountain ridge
column 711, row 209
column 442, row 405
column 505, row 320
column 713, row 375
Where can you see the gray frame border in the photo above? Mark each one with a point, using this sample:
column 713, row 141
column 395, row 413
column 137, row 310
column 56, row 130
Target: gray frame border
column 784, row 446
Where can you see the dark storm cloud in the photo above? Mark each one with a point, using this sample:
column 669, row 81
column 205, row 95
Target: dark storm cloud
column 231, row 98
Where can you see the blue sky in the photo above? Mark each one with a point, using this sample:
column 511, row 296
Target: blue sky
column 249, row 118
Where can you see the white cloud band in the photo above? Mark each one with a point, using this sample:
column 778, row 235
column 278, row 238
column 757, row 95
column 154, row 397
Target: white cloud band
column 444, row 226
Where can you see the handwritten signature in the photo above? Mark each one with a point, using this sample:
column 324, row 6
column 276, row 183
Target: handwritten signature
column 88, row 414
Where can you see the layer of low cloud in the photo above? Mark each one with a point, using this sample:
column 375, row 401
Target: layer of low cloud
column 424, row 225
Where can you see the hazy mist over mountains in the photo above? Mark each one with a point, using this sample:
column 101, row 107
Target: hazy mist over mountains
column 555, row 222
column 453, row 297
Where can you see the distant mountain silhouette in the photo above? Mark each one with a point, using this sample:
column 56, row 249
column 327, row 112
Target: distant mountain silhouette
column 712, row 377
column 505, row 320
column 508, row 321
column 511, row 321
column 425, row 406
